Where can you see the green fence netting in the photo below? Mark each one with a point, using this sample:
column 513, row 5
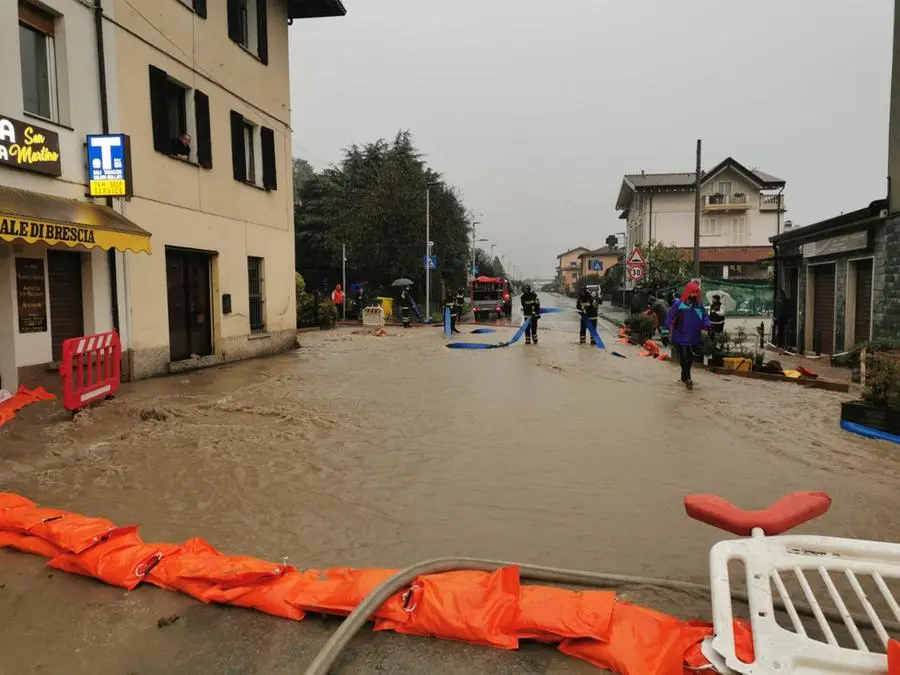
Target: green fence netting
column 751, row 299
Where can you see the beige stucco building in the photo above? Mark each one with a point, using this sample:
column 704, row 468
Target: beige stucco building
column 568, row 268
column 194, row 265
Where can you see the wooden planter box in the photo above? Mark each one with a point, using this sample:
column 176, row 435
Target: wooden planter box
column 877, row 417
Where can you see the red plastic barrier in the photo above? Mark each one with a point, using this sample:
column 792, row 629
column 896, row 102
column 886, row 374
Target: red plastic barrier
column 893, row 657
column 782, row 516
column 91, row 369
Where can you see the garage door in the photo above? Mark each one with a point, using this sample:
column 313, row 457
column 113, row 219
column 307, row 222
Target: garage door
column 862, row 324
column 66, row 309
column 823, row 310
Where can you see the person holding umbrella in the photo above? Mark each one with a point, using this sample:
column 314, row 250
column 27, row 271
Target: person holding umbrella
column 716, row 316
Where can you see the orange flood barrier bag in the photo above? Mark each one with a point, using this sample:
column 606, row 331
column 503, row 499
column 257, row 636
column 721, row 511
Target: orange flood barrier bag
column 339, row 591
column 551, row 614
column 20, row 399
column 28, row 544
column 694, row 659
column 893, row 655
column 475, row 607
column 122, row 560
column 641, row 642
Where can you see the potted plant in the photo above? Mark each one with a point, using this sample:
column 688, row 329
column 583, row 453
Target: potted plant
column 717, row 198
column 642, row 328
column 879, row 408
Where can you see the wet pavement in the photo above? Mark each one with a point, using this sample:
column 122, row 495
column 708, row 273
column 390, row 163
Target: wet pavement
column 363, row 451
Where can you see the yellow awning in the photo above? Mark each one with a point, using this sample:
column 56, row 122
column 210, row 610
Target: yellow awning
column 33, row 217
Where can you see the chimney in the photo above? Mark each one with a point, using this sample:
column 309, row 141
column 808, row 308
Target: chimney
column 788, row 225
column 642, row 172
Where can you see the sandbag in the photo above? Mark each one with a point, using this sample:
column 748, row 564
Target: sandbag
column 474, row 607
column 122, row 560
column 25, row 518
column 553, row 614
column 267, row 595
column 9, row 500
column 167, row 572
column 28, row 544
column 338, row 591
column 75, row 533
column 197, row 569
column 641, row 642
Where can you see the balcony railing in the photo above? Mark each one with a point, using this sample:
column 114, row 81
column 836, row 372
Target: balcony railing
column 771, row 203
column 735, row 202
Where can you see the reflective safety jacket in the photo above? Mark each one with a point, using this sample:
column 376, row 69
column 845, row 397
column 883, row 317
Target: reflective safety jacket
column 531, row 305
column 587, row 307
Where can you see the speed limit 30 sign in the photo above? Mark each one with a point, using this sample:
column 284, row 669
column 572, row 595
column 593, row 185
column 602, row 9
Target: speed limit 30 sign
column 636, row 272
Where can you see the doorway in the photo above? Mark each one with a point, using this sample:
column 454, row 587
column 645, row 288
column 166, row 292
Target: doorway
column 66, row 299
column 190, row 303
column 863, row 277
column 823, row 308
column 793, row 291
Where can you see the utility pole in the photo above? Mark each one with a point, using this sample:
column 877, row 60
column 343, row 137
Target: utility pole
column 344, row 277
column 428, row 252
column 697, row 211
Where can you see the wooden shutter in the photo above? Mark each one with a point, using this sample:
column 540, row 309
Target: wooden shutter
column 267, row 140
column 238, row 156
column 159, row 113
column 200, row 8
column 262, row 31
column 234, row 21
column 204, row 134
column 823, row 307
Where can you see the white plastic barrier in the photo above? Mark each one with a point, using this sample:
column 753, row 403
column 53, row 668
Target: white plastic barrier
column 804, row 562
column 373, row 317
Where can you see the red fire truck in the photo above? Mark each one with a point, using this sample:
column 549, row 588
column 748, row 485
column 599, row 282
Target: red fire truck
column 491, row 295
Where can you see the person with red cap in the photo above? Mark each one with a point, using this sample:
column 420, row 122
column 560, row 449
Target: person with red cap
column 686, row 320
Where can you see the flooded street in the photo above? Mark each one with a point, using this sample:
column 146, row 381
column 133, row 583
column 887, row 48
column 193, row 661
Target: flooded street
column 378, row 452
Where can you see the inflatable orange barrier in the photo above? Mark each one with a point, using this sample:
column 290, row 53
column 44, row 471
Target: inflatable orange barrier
column 893, row 657
column 641, row 642
column 20, row 399
column 28, row 544
column 339, row 591
column 652, row 347
column 551, row 614
column 476, row 607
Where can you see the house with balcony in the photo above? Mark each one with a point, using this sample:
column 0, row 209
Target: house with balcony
column 740, row 209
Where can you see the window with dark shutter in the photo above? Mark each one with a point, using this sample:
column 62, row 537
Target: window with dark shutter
column 235, row 31
column 200, row 8
column 267, row 141
column 262, row 31
column 204, row 133
column 159, row 109
column 238, row 155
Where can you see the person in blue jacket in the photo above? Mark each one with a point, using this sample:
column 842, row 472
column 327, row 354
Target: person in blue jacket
column 686, row 321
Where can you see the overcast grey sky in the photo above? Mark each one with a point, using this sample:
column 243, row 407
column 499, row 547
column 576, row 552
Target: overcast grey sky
column 535, row 110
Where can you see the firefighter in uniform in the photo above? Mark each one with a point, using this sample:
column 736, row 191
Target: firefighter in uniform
column 531, row 308
column 405, row 307
column 450, row 305
column 587, row 308
column 459, row 303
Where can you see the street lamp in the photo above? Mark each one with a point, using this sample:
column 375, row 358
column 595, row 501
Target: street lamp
column 474, row 223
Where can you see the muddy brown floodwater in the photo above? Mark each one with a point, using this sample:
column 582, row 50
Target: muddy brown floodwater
column 363, row 451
